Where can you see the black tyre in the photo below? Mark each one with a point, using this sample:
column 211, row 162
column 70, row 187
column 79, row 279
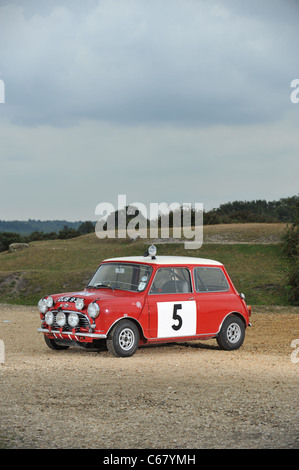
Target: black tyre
column 123, row 339
column 52, row 344
column 232, row 333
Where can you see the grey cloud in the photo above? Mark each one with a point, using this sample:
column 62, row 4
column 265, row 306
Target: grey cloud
column 186, row 63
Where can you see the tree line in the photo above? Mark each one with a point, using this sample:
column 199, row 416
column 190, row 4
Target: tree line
column 26, row 227
column 259, row 211
column 283, row 210
column 7, row 238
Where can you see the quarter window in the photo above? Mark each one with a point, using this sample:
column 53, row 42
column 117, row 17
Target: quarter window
column 210, row 280
column 171, row 281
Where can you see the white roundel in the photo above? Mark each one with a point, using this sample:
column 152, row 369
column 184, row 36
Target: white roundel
column 176, row 318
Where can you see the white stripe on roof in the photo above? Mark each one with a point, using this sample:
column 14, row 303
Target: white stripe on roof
column 173, row 260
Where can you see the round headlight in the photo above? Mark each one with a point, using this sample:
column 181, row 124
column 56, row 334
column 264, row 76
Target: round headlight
column 49, row 301
column 49, row 317
column 73, row 319
column 93, row 310
column 60, row 319
column 79, row 304
column 42, row 306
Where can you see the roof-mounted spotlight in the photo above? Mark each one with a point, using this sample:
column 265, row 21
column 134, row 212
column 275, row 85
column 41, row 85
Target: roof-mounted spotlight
column 151, row 251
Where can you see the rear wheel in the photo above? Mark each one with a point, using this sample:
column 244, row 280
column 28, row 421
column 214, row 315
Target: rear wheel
column 232, row 333
column 52, row 344
column 123, row 339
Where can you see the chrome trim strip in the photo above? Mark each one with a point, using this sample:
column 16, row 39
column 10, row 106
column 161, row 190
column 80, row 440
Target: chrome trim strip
column 67, row 333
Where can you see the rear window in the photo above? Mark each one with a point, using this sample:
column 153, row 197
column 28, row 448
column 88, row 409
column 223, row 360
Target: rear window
column 210, row 280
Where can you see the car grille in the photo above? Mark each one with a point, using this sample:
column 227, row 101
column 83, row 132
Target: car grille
column 83, row 321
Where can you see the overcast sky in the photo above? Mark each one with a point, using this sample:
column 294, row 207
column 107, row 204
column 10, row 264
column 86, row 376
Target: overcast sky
column 160, row 100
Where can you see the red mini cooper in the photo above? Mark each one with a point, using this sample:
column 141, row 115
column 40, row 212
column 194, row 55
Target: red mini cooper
column 147, row 299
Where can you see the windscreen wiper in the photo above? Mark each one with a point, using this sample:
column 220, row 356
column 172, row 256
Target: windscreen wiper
column 103, row 285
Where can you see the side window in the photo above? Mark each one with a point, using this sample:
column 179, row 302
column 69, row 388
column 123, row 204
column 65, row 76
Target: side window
column 171, row 281
column 210, row 280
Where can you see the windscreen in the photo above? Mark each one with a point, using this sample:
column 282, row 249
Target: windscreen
column 124, row 276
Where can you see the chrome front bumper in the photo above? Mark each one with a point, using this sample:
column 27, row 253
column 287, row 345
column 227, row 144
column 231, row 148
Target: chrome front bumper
column 70, row 335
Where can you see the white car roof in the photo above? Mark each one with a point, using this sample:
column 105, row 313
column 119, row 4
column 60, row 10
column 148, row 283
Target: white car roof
column 173, row 260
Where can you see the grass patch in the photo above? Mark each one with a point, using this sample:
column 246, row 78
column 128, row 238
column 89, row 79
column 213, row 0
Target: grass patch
column 55, row 266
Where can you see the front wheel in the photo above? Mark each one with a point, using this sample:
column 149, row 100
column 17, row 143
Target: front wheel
column 123, row 339
column 232, row 333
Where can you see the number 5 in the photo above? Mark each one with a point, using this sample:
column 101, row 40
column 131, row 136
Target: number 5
column 177, row 317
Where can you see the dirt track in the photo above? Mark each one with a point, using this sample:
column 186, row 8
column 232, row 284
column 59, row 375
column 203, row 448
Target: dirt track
column 181, row 396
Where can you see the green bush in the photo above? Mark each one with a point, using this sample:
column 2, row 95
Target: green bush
column 290, row 241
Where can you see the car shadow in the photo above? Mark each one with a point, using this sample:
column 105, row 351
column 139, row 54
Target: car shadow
column 101, row 347
column 197, row 345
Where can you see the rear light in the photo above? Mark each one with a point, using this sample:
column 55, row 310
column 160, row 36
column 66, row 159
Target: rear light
column 249, row 309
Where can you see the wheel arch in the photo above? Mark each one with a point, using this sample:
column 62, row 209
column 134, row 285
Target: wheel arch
column 236, row 314
column 136, row 322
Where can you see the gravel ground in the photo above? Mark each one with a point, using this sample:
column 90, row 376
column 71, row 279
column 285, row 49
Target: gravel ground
column 182, row 396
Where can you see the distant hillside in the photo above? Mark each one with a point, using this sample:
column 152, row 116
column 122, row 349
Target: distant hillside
column 25, row 227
